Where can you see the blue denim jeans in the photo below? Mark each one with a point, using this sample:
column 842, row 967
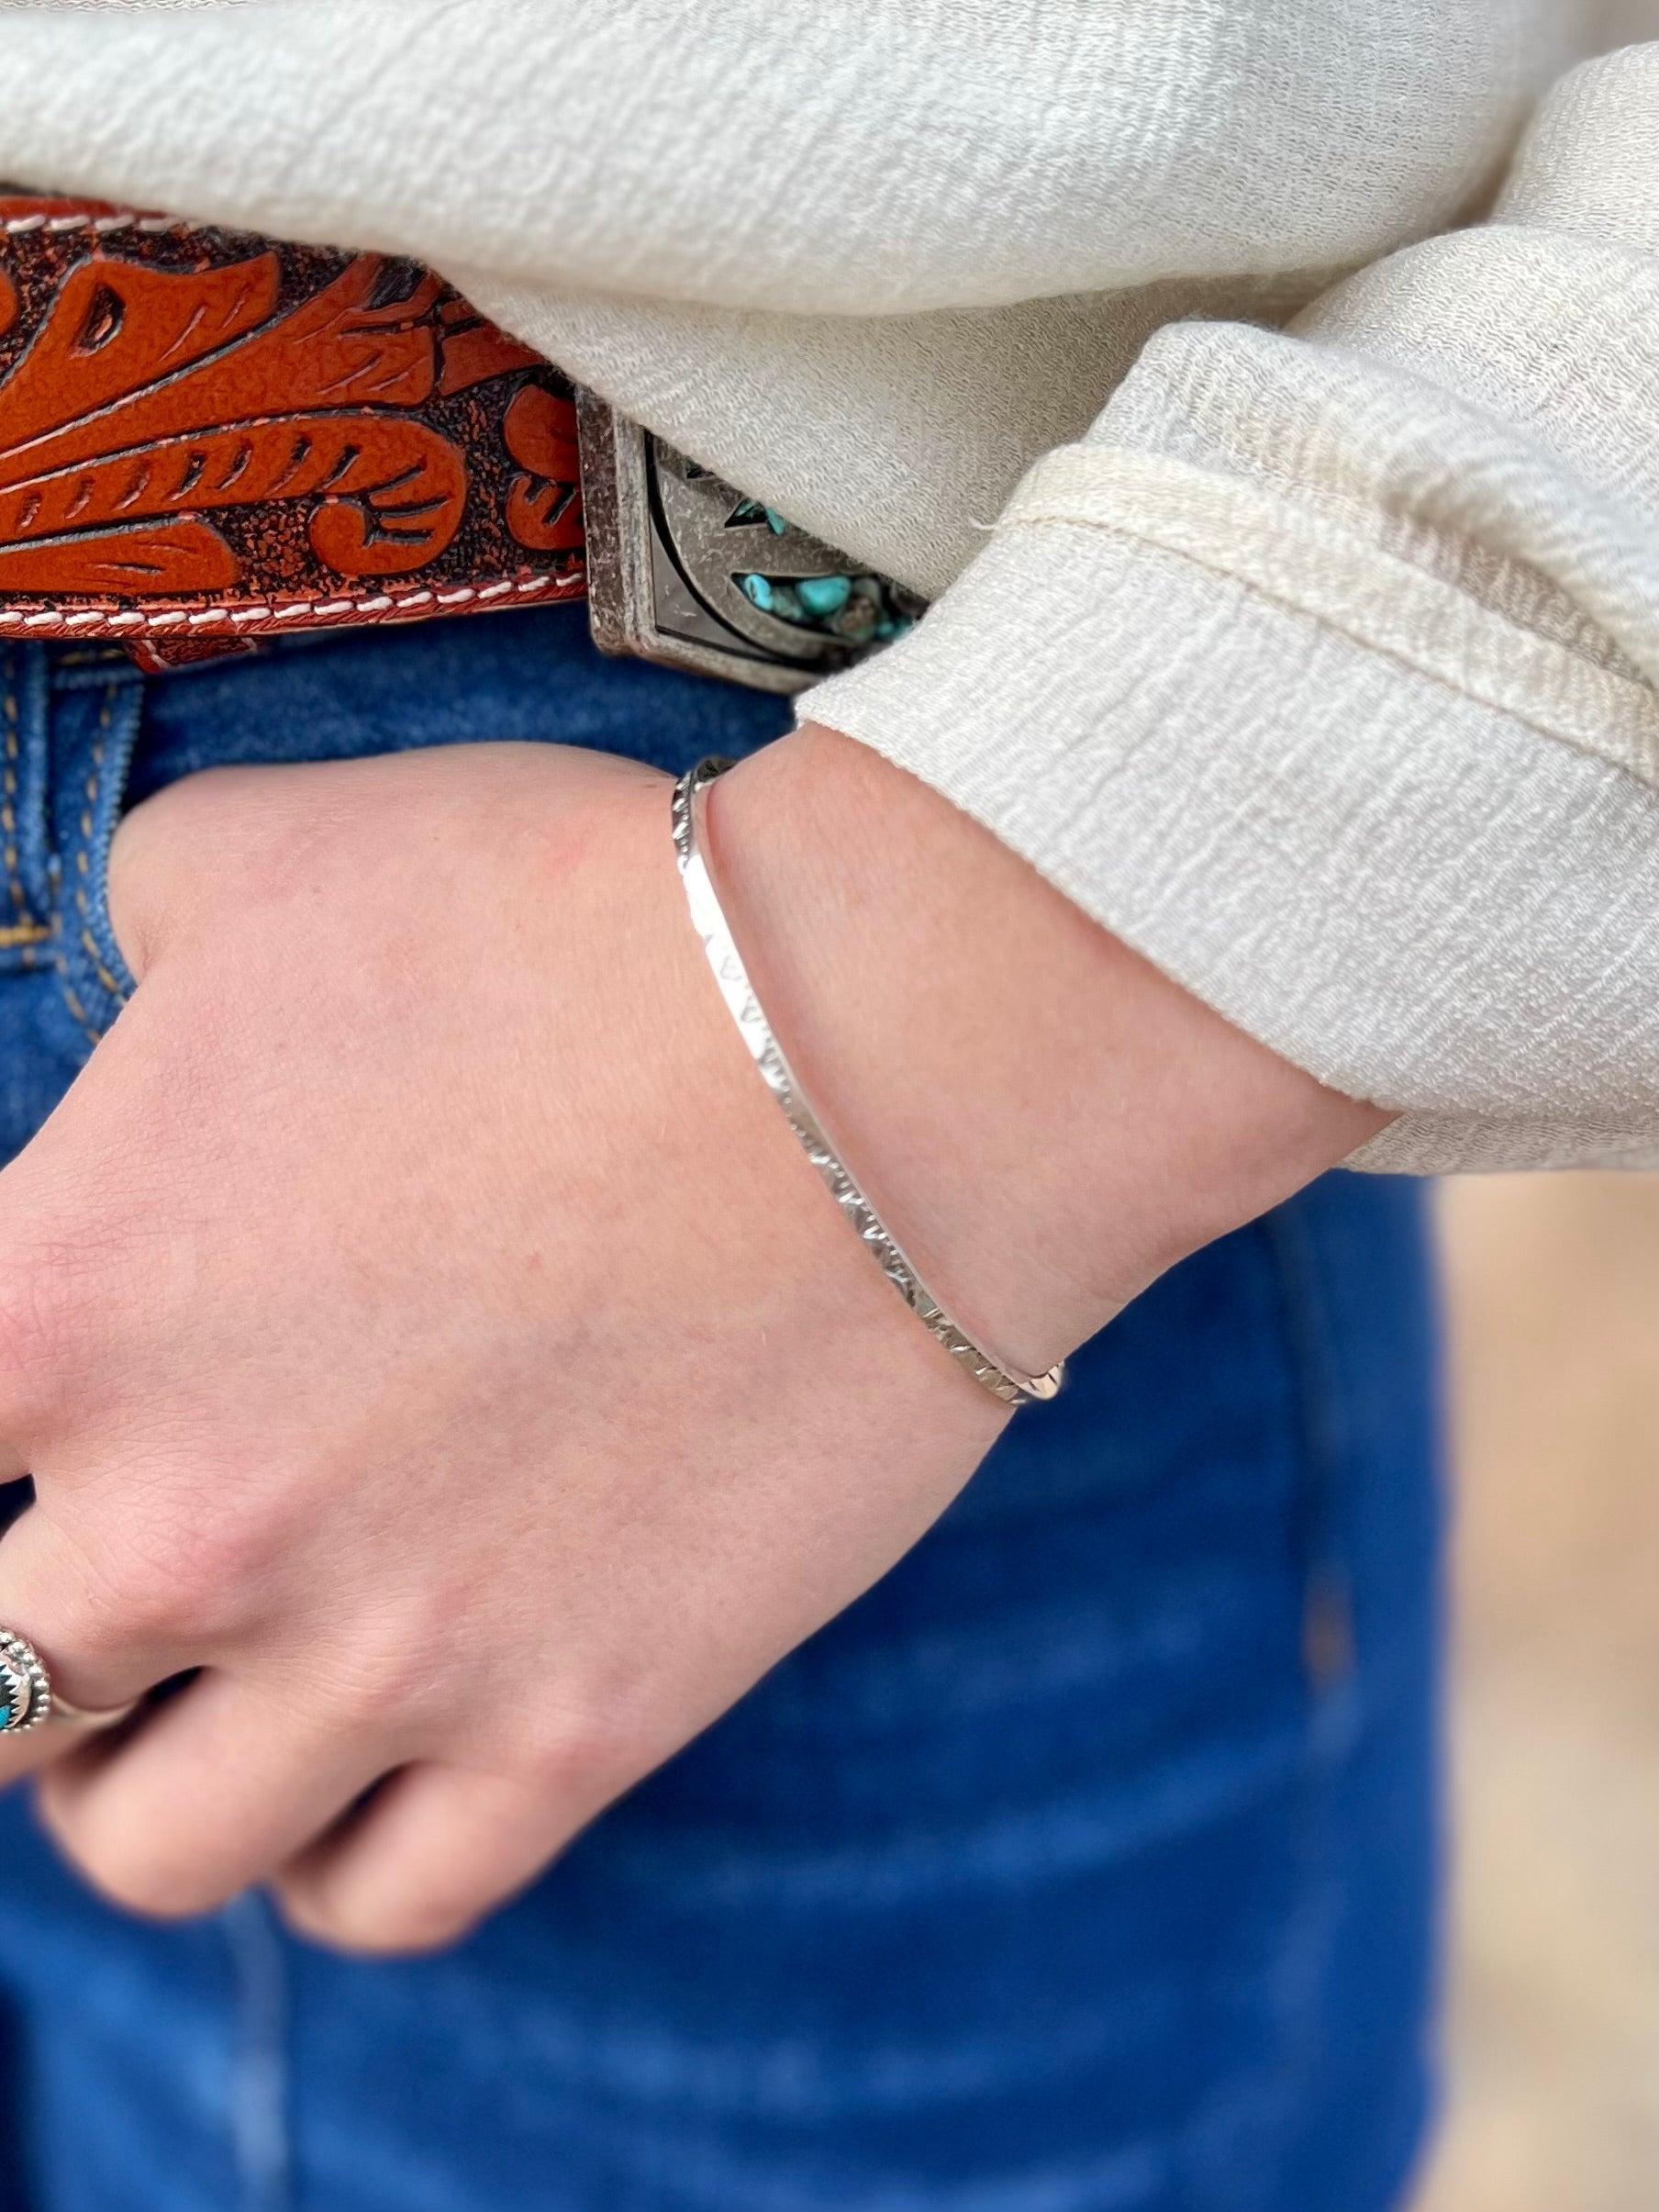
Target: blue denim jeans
column 1086, row 1865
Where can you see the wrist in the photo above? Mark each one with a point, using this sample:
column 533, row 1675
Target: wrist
column 1044, row 1121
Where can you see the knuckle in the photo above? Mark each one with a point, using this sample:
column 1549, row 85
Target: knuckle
column 158, row 1612
column 157, row 1604
column 581, row 1756
column 189, row 1581
column 104, row 1594
column 96, row 1606
column 41, row 1309
column 216, row 1568
column 388, row 1685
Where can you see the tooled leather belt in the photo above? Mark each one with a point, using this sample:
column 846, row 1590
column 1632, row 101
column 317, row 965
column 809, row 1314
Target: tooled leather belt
column 208, row 438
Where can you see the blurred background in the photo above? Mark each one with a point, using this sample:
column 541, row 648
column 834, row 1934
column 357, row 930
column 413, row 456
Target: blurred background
column 1626, row 20
column 1555, row 1296
column 1553, row 1284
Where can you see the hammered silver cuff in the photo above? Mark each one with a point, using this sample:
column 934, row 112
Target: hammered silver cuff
column 1005, row 1384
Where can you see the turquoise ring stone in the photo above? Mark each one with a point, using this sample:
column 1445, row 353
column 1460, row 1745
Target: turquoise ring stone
column 26, row 1694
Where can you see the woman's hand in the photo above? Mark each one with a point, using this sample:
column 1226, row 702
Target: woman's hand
column 419, row 1321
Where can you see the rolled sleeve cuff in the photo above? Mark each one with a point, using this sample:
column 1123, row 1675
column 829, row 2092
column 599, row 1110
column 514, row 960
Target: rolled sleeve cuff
column 1409, row 844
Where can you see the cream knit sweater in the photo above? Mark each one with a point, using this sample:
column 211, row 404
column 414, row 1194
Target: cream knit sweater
column 1320, row 662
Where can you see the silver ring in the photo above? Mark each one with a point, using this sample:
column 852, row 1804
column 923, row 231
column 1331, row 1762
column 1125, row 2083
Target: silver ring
column 28, row 1700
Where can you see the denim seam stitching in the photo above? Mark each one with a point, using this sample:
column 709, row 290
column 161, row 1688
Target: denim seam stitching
column 90, row 1027
column 83, row 856
column 26, row 930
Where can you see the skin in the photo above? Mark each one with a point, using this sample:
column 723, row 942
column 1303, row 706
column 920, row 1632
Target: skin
column 419, row 1320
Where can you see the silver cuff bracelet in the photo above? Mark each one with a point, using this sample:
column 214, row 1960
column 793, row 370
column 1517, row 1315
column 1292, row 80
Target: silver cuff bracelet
column 710, row 921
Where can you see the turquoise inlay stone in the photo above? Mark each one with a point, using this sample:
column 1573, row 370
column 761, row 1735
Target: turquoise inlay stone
column 772, row 597
column 860, row 610
column 777, row 522
column 824, row 595
column 16, row 1695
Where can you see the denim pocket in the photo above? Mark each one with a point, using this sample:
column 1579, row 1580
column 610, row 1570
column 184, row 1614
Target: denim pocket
column 94, row 712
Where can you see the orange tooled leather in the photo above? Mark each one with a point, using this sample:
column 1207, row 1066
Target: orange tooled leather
column 209, row 437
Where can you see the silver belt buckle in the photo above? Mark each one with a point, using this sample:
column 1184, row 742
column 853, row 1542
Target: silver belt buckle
column 683, row 569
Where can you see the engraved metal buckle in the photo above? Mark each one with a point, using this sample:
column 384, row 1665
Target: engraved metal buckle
column 683, row 569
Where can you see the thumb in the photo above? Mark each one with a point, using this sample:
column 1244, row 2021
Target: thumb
column 180, row 856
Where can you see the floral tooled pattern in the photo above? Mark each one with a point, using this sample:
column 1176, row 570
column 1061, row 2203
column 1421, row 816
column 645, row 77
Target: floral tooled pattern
column 190, row 415
column 542, row 510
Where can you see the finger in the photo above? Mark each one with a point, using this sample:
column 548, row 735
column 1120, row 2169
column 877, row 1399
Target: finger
column 30, row 1365
column 103, row 1644
column 27, row 1751
column 211, row 1796
column 23, row 1752
column 428, row 1859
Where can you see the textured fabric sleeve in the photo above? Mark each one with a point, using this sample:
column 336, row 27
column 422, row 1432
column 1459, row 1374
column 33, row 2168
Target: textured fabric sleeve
column 867, row 262
column 891, row 156
column 1325, row 670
